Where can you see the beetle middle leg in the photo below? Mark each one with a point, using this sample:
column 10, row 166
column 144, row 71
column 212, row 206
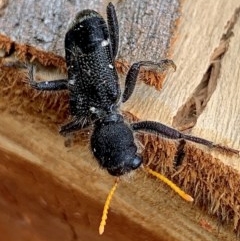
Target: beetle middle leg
column 133, row 72
column 53, row 85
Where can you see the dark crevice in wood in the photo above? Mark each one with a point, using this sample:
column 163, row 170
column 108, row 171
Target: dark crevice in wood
column 187, row 116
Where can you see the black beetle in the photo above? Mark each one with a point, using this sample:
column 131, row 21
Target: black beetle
column 91, row 47
column 95, row 96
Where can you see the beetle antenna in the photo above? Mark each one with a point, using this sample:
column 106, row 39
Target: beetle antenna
column 106, row 207
column 179, row 191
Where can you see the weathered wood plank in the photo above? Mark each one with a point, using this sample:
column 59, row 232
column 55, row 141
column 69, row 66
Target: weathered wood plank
column 145, row 26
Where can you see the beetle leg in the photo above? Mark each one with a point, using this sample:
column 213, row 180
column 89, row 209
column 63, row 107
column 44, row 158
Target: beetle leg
column 113, row 28
column 133, row 72
column 54, row 85
column 75, row 125
column 168, row 132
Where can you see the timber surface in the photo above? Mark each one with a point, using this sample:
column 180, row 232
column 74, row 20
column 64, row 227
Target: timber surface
column 51, row 192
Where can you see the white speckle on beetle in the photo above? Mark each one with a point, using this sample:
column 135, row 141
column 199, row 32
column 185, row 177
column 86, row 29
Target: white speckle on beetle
column 46, row 82
column 105, row 43
column 72, row 81
column 93, row 109
column 110, row 66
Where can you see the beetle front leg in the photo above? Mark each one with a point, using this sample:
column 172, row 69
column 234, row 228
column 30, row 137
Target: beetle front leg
column 53, row 85
column 134, row 71
column 168, row 132
column 75, row 125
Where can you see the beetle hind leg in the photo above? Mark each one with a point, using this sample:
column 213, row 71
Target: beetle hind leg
column 113, row 28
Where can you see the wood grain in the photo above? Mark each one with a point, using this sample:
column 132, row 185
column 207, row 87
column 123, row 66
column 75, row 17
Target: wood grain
column 201, row 27
column 222, row 114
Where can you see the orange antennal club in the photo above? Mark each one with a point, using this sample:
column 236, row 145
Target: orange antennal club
column 179, row 191
column 106, row 207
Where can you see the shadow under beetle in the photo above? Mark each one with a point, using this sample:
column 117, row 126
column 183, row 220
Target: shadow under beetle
column 91, row 46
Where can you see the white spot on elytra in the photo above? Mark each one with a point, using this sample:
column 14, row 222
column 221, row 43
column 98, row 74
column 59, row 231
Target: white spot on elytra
column 72, row 81
column 110, row 66
column 93, row 109
column 46, row 82
column 105, row 42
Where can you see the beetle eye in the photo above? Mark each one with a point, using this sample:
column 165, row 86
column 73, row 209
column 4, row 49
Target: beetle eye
column 136, row 162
